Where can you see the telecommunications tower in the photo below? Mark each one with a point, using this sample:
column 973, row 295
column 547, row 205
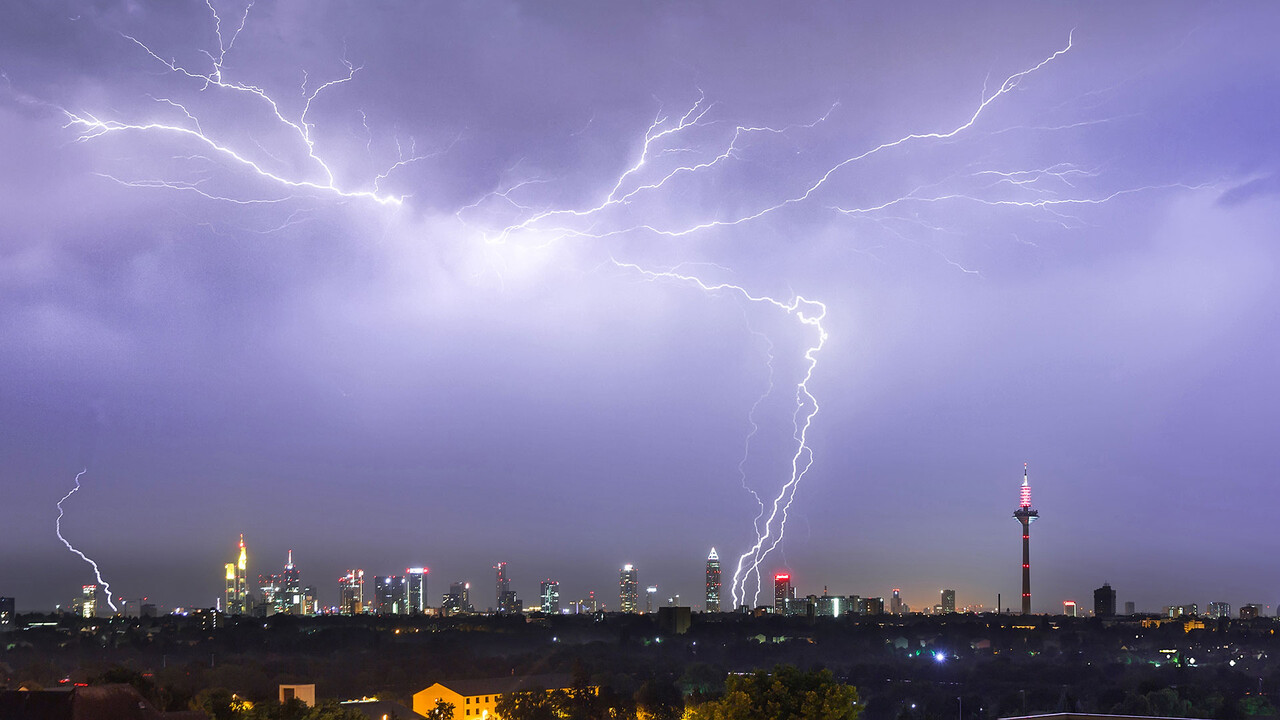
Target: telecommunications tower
column 1025, row 514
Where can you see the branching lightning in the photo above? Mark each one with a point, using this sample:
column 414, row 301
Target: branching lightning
column 659, row 172
column 106, row 586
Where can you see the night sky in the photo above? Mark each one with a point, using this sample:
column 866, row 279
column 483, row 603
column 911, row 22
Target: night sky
column 442, row 354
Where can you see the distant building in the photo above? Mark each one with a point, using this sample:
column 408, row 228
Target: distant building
column 628, row 589
column 306, row 694
column 282, row 591
column 1025, row 515
column 895, row 603
column 391, row 594
column 1219, row 610
column 948, row 601
column 509, row 603
column 549, row 596
column 458, row 599
column 88, row 601
column 502, row 586
column 871, row 606
column 1250, row 611
column 478, row 699
column 7, row 614
column 1130, row 608
column 236, row 597
column 782, row 592
column 416, row 578
column 1069, row 608
column 713, row 583
column 1104, row 601
column 649, row 593
column 351, row 593
column 674, row 620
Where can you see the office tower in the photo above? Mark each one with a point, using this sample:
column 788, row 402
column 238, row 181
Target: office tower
column 458, row 599
column 649, row 592
column 549, row 592
column 948, row 601
column 89, row 601
column 895, row 603
column 628, row 589
column 1130, row 608
column 351, row 593
column 1025, row 515
column 1069, row 608
column 6, row 614
column 1250, row 612
column 291, row 598
column 417, row 595
column 1104, row 601
column 713, row 582
column 1218, row 610
column 310, row 605
column 503, row 586
column 391, row 594
column 782, row 591
column 236, row 598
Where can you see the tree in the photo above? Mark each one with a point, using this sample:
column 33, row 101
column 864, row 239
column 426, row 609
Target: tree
column 442, row 711
column 527, row 705
column 786, row 693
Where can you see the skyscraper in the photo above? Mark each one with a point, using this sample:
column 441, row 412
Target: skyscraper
column 236, row 599
column 392, row 594
column 895, row 603
column 417, row 594
column 550, row 592
column 1104, row 601
column 782, row 591
column 293, row 599
column 1025, row 515
column 89, row 601
column 503, row 586
column 351, row 593
column 458, row 599
column 628, row 589
column 713, row 582
column 649, row 594
column 948, row 601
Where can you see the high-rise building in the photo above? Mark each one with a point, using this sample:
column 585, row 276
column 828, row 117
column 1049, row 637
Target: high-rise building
column 948, row 601
column 236, row 598
column 649, row 593
column 502, row 585
column 292, row 598
column 1218, row 610
column 416, row 577
column 1251, row 611
column 1025, row 515
column 1104, row 601
column 713, row 582
column 458, row 599
column 89, row 601
column 628, row 589
column 782, row 591
column 895, row 602
column 351, row 593
column 549, row 591
column 6, row 614
column 391, row 594
column 1130, row 608
column 1069, row 608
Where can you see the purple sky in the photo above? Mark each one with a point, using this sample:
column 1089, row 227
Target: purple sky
column 1082, row 279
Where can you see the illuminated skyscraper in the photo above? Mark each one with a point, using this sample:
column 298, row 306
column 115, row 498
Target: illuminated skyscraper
column 89, row 601
column 351, row 593
column 236, row 599
column 550, row 592
column 948, row 601
column 392, row 594
column 1026, row 515
column 782, row 591
column 895, row 603
column 713, row 582
column 293, row 598
column 502, row 585
column 649, row 594
column 458, row 599
column 628, row 589
column 417, row 598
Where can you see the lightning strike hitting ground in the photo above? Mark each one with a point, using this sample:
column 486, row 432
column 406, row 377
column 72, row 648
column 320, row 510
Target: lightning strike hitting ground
column 512, row 214
column 106, row 586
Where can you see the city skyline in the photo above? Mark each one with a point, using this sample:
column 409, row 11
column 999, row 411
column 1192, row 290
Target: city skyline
column 570, row 286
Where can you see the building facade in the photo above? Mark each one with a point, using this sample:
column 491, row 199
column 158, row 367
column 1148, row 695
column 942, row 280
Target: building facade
column 713, row 583
column 391, row 594
column 628, row 589
column 948, row 601
column 236, row 597
column 549, row 596
column 782, row 591
column 351, row 593
column 416, row 577
column 1104, row 601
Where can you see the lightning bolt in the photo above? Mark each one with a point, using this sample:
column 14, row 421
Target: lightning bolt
column 659, row 170
column 809, row 313
column 106, row 586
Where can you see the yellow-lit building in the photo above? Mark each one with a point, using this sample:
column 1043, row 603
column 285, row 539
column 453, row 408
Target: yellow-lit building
column 236, row 599
column 472, row 699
